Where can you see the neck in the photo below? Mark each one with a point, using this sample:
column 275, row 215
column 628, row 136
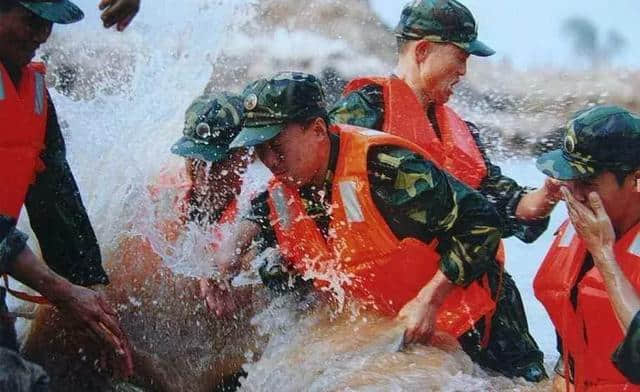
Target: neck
column 410, row 76
column 625, row 224
column 323, row 157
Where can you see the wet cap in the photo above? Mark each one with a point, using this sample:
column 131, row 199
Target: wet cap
column 596, row 139
column 270, row 104
column 56, row 11
column 442, row 21
column 212, row 121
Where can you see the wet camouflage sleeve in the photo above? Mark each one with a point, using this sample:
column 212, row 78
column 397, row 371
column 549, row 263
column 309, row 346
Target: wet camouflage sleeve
column 421, row 201
column 365, row 107
column 627, row 356
column 58, row 217
column 12, row 242
column 505, row 194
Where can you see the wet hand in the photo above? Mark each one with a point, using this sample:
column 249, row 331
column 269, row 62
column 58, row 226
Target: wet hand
column 118, row 12
column 91, row 309
column 553, row 189
column 217, row 297
column 591, row 222
column 419, row 317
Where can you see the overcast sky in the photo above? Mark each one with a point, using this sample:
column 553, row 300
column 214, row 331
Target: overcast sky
column 529, row 32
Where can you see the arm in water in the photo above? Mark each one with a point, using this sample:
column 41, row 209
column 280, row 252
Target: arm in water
column 418, row 200
column 233, row 255
column 85, row 305
column 118, row 12
column 594, row 226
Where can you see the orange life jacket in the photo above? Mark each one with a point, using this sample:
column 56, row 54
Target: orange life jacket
column 455, row 151
column 590, row 332
column 23, row 119
column 384, row 272
column 404, row 116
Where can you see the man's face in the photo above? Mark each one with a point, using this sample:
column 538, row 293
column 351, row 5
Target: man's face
column 442, row 67
column 291, row 155
column 21, row 33
column 616, row 199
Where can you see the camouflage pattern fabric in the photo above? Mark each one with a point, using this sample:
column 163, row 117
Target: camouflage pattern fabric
column 212, row 121
column 365, row 108
column 56, row 11
column 271, row 103
column 627, row 356
column 442, row 21
column 58, row 217
column 512, row 350
column 603, row 137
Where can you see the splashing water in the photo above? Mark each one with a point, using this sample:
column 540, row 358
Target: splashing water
column 124, row 111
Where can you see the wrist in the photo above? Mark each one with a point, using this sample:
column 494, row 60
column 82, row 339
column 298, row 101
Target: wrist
column 56, row 289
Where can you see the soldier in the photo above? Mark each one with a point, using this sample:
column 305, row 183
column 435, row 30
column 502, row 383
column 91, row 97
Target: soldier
column 372, row 197
column 435, row 39
column 34, row 173
column 589, row 281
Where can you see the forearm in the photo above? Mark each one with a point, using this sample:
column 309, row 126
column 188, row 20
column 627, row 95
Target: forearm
column 625, row 300
column 535, row 205
column 234, row 248
column 436, row 291
column 35, row 274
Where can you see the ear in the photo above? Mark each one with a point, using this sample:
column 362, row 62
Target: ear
column 422, row 50
column 318, row 126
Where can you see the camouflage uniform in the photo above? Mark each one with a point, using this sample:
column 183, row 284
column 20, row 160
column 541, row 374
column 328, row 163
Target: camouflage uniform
column 596, row 139
column 415, row 197
column 512, row 350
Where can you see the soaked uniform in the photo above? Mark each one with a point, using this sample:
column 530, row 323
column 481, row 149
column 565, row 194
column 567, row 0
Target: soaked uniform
column 416, row 200
column 511, row 347
column 60, row 222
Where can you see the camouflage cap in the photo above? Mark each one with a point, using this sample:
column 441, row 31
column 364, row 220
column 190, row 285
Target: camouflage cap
column 442, row 21
column 56, row 11
column 596, row 139
column 272, row 103
column 212, row 121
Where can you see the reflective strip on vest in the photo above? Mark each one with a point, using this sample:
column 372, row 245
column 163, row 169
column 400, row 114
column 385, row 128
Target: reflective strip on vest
column 280, row 203
column 39, row 93
column 352, row 207
column 634, row 248
column 567, row 236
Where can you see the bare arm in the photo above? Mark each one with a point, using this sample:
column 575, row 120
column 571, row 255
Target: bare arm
column 594, row 227
column 539, row 203
column 420, row 313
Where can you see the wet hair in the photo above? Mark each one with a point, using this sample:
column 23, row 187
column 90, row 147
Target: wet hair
column 621, row 174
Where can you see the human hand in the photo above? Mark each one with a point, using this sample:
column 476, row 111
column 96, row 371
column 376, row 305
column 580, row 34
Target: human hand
column 118, row 12
column 90, row 308
column 419, row 317
column 552, row 188
column 592, row 223
column 217, row 297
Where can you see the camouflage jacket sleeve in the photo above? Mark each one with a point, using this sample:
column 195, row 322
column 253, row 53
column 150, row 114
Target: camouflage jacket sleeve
column 363, row 108
column 627, row 356
column 58, row 217
column 505, row 194
column 419, row 200
column 12, row 242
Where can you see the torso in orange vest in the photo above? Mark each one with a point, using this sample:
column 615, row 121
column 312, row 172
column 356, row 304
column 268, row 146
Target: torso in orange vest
column 590, row 332
column 23, row 119
column 455, row 150
column 385, row 272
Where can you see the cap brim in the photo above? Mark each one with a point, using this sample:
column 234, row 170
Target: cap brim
column 252, row 136
column 186, row 147
column 60, row 11
column 479, row 48
column 555, row 165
